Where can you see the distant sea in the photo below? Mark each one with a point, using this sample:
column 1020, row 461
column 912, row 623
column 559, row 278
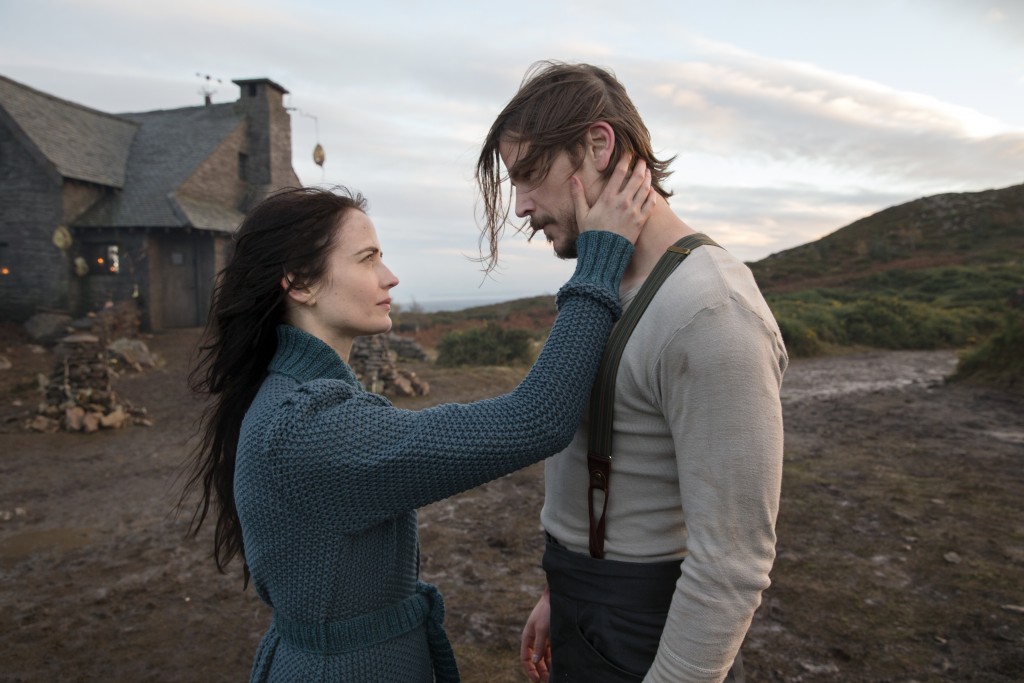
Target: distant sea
column 448, row 304
column 434, row 305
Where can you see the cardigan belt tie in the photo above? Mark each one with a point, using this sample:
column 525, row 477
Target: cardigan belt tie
column 338, row 637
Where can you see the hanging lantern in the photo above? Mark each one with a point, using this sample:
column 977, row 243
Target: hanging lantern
column 318, row 155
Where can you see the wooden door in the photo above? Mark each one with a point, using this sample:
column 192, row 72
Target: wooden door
column 179, row 296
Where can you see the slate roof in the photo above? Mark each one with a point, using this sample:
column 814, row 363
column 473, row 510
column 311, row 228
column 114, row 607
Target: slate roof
column 207, row 215
column 146, row 157
column 169, row 146
column 80, row 142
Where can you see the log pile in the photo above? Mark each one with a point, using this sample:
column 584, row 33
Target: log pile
column 79, row 396
column 373, row 361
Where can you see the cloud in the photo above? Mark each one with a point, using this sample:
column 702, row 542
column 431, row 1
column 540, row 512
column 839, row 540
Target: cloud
column 754, row 221
column 784, row 112
column 1004, row 19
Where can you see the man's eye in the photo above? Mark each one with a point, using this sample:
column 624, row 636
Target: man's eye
column 526, row 176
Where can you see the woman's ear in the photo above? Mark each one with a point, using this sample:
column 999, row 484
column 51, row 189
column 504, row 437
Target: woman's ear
column 601, row 144
column 301, row 295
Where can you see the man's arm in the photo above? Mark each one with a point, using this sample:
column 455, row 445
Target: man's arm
column 535, row 648
column 719, row 380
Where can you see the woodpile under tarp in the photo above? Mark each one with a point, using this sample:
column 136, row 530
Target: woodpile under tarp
column 374, row 361
column 79, row 396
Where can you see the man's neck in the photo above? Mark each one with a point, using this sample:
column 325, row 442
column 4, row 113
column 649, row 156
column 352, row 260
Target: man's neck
column 663, row 229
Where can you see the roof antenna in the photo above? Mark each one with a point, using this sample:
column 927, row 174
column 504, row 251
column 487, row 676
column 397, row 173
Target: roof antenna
column 208, row 90
column 319, row 156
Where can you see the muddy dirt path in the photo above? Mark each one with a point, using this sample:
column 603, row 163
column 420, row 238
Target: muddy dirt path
column 901, row 543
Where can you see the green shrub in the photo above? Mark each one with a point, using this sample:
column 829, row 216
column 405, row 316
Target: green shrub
column 813, row 321
column 488, row 345
column 999, row 359
column 893, row 323
column 801, row 340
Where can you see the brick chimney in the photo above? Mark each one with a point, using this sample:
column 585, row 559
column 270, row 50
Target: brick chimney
column 269, row 138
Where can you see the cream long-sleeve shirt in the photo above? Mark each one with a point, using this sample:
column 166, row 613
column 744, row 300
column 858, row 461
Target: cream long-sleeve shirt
column 696, row 459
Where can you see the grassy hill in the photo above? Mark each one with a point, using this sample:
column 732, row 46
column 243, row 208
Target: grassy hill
column 955, row 229
column 938, row 272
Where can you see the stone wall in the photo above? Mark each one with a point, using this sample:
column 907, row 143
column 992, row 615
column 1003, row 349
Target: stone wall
column 217, row 179
column 406, row 348
column 30, row 210
column 374, row 363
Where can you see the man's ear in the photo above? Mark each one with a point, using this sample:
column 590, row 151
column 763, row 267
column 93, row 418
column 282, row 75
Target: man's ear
column 600, row 144
column 301, row 295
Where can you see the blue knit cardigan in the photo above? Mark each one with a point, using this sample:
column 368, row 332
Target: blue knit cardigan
column 328, row 478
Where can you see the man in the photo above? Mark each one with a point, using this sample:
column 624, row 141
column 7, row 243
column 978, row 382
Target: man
column 697, row 441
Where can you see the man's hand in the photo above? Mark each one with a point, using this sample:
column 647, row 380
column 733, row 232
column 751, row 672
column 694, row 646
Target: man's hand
column 535, row 649
column 624, row 205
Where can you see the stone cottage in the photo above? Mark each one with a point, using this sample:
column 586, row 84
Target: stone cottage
column 98, row 207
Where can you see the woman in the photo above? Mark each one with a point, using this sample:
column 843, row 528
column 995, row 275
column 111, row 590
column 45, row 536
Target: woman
column 315, row 481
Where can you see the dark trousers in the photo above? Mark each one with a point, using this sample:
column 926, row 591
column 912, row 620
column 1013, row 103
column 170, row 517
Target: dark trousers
column 607, row 616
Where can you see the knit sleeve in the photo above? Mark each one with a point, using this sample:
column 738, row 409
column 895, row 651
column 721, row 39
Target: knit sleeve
column 357, row 460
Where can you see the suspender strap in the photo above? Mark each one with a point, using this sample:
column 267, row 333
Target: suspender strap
column 602, row 397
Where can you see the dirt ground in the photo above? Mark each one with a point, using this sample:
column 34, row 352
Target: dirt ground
column 900, row 554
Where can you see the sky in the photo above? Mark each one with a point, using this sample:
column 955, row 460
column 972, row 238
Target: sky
column 788, row 119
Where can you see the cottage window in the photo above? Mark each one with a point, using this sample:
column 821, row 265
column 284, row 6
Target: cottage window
column 243, row 166
column 103, row 259
column 5, row 260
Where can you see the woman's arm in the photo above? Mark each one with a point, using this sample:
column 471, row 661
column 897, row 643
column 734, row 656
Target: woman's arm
column 376, row 461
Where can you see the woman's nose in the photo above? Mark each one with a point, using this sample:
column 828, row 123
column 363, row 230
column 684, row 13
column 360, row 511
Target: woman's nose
column 390, row 279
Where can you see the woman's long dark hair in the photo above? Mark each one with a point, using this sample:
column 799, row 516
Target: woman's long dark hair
column 289, row 233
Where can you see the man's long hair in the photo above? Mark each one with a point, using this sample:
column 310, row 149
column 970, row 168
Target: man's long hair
column 555, row 105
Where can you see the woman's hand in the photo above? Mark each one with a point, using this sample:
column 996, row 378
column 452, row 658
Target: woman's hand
column 624, row 205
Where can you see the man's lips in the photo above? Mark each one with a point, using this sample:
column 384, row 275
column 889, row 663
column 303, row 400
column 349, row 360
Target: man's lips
column 539, row 226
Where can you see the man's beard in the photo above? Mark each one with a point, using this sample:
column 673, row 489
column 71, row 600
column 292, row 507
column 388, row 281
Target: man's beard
column 567, row 249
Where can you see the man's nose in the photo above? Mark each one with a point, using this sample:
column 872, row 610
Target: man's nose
column 524, row 205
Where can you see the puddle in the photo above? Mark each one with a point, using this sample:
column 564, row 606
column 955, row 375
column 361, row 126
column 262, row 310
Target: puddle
column 1007, row 436
column 19, row 546
column 867, row 372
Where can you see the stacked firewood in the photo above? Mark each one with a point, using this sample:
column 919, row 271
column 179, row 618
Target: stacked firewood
column 373, row 361
column 79, row 396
